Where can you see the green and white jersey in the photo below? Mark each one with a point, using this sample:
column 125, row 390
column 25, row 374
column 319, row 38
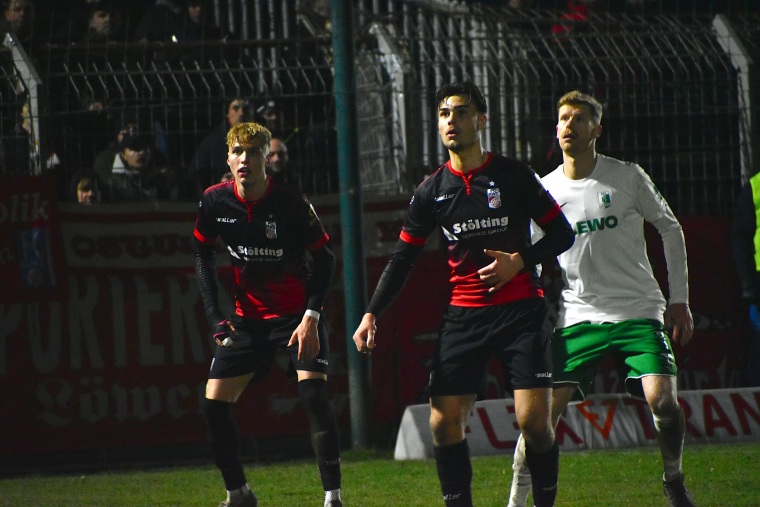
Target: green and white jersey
column 607, row 275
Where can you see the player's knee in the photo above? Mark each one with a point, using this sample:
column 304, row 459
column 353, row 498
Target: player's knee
column 446, row 430
column 538, row 434
column 664, row 406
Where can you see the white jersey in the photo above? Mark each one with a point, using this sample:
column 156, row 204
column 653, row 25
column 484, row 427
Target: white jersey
column 607, row 275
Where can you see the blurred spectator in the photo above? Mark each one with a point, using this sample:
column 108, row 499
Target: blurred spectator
column 226, row 177
column 103, row 23
column 269, row 115
column 279, row 167
column 181, row 21
column 126, row 125
column 17, row 18
column 134, row 175
column 87, row 191
column 161, row 23
column 210, row 160
column 197, row 25
column 575, row 19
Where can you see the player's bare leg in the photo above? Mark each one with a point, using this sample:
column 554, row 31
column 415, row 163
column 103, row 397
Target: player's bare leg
column 670, row 428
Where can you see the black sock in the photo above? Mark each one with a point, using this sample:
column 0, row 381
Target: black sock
column 225, row 442
column 454, row 473
column 544, row 469
column 324, row 431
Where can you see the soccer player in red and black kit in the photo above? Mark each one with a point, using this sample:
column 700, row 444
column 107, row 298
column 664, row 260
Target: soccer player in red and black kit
column 483, row 203
column 267, row 229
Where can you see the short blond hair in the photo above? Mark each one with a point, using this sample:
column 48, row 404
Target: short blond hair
column 249, row 135
column 576, row 98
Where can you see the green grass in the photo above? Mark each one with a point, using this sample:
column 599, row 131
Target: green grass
column 717, row 475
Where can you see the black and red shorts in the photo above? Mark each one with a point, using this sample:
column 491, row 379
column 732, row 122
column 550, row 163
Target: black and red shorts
column 514, row 333
column 256, row 345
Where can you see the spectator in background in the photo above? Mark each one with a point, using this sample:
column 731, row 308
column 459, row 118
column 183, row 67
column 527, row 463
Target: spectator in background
column 161, row 23
column 102, row 24
column 126, row 125
column 17, row 19
column 197, row 26
column 279, row 167
column 209, row 162
column 745, row 236
column 87, row 192
column 134, row 174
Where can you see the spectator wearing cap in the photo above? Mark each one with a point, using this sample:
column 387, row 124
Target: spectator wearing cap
column 161, row 23
column 125, row 125
column 134, row 175
column 102, row 23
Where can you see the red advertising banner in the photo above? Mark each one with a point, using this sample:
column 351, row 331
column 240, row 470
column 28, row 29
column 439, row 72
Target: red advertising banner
column 103, row 341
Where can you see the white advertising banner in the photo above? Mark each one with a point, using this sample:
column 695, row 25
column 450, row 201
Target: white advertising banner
column 602, row 421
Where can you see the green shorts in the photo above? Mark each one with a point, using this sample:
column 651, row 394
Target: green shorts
column 639, row 347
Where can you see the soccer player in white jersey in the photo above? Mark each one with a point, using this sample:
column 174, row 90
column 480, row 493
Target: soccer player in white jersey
column 611, row 303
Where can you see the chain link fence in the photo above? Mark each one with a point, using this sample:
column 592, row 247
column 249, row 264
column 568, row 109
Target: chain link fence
column 678, row 99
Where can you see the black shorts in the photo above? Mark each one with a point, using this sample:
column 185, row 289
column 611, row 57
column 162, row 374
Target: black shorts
column 469, row 337
column 256, row 345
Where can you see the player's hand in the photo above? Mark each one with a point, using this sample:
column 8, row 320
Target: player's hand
column 364, row 337
column 224, row 333
column 307, row 337
column 679, row 320
column 504, row 267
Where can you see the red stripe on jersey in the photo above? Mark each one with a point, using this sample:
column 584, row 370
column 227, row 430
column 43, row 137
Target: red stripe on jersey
column 203, row 239
column 470, row 291
column 556, row 210
column 319, row 243
column 408, row 238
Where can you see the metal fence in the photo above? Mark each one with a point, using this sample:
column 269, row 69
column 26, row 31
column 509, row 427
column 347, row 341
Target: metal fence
column 679, row 90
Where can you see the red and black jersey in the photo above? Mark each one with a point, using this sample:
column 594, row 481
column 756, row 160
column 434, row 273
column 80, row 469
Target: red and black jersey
column 488, row 208
column 267, row 241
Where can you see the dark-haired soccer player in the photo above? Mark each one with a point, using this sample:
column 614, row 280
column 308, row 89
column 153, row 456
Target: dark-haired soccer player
column 611, row 303
column 483, row 203
column 267, row 229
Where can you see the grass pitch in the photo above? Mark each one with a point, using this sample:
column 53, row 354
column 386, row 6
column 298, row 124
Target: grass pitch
column 717, row 475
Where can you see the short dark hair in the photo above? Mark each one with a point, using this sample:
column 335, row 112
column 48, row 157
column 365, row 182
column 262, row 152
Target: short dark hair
column 577, row 98
column 465, row 89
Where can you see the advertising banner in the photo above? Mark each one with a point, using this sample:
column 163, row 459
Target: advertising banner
column 104, row 344
column 602, row 421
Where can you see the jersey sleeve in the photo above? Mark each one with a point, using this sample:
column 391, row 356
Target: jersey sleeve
column 205, row 225
column 655, row 210
column 315, row 233
column 419, row 222
column 551, row 232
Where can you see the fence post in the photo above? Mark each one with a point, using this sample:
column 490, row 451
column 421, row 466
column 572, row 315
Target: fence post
column 352, row 217
column 748, row 129
column 31, row 82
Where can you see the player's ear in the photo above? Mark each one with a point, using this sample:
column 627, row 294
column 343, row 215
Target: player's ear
column 598, row 131
column 481, row 122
